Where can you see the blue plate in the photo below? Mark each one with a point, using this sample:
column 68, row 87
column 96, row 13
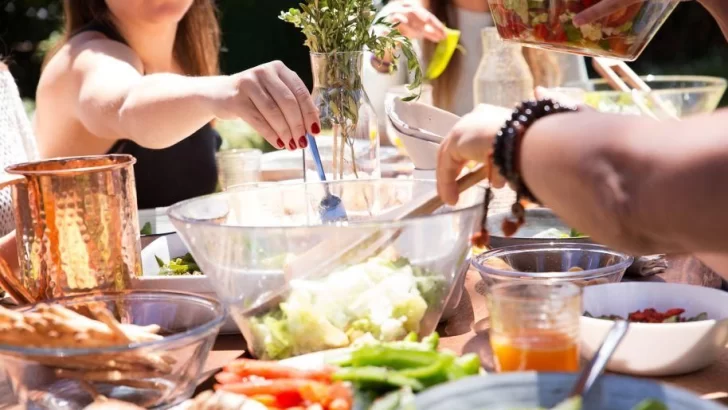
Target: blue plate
column 515, row 391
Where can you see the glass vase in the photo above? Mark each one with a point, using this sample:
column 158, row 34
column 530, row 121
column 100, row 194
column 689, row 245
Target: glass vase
column 503, row 77
column 349, row 139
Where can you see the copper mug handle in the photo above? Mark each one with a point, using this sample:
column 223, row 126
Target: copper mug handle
column 8, row 280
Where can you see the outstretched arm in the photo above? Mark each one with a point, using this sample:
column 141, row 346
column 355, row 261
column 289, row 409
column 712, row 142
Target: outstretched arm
column 113, row 99
column 632, row 183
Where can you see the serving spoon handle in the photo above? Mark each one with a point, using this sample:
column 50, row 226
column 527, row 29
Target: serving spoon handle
column 598, row 363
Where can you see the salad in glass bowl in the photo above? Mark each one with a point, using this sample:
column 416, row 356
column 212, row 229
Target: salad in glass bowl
column 382, row 278
column 549, row 24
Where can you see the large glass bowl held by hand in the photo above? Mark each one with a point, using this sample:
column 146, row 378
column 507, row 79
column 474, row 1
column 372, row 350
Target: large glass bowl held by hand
column 548, row 24
column 251, row 244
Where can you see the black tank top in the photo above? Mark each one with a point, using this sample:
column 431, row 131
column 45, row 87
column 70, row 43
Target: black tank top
column 165, row 176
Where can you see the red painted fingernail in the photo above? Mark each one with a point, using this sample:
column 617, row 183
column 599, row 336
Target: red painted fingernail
column 302, row 142
column 292, row 144
column 315, row 128
column 280, row 143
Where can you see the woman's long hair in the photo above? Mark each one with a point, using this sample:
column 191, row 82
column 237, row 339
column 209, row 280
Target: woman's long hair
column 196, row 47
column 544, row 66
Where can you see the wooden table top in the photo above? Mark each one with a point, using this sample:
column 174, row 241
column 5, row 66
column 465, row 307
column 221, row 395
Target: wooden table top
column 467, row 333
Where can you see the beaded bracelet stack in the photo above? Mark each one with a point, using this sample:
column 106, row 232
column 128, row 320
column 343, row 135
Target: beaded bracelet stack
column 506, row 156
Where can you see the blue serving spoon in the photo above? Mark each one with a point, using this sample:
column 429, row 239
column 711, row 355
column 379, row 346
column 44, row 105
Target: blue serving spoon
column 331, row 207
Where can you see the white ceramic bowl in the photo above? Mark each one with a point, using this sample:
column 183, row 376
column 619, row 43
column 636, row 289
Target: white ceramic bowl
column 657, row 349
column 421, row 128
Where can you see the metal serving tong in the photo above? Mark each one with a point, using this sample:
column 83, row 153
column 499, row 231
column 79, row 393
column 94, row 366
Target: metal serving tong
column 621, row 78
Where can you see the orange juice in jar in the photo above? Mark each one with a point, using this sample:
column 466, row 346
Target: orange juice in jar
column 535, row 326
column 538, row 350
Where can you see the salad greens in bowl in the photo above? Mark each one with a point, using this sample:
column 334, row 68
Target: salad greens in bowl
column 541, row 226
column 251, row 243
column 680, row 95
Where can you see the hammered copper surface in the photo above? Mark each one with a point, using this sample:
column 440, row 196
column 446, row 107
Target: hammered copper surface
column 77, row 226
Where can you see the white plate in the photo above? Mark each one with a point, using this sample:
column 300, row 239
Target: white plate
column 657, row 349
column 166, row 248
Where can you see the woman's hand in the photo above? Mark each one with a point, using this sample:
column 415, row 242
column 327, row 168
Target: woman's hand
column 274, row 101
column 470, row 140
column 415, row 21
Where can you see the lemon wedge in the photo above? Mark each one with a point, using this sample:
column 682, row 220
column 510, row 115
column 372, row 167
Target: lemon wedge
column 443, row 53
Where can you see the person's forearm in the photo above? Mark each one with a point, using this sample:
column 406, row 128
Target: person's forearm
column 163, row 109
column 632, row 183
column 719, row 10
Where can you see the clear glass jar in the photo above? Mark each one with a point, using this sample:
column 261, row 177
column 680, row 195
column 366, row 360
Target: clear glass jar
column 534, row 326
column 349, row 138
column 503, row 77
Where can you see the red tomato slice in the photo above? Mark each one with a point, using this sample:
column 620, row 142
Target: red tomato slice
column 541, row 31
column 617, row 45
column 623, row 15
column 558, row 34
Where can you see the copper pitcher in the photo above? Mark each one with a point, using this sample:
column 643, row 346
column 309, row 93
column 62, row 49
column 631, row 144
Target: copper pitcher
column 76, row 225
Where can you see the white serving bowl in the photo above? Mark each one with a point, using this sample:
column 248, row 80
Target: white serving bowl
column 421, row 128
column 657, row 349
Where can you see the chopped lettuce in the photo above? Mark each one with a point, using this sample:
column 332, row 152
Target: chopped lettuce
column 182, row 266
column 379, row 299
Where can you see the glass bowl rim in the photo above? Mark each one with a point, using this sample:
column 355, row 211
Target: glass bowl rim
column 175, row 215
column 627, row 260
column 573, row 290
column 161, row 295
column 712, row 84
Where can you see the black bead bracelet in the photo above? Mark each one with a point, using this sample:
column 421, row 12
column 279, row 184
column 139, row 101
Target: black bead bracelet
column 507, row 145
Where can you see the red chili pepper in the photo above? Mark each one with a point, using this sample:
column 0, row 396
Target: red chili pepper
column 674, row 312
column 288, row 399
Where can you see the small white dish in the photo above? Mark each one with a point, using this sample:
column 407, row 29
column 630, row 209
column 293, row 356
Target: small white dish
column 421, row 128
column 157, row 221
column 166, row 248
column 657, row 349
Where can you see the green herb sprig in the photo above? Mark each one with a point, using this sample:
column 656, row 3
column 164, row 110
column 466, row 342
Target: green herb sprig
column 334, row 26
column 335, row 29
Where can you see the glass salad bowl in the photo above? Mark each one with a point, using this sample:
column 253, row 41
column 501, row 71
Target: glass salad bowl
column 154, row 374
column 683, row 95
column 548, row 24
column 265, row 250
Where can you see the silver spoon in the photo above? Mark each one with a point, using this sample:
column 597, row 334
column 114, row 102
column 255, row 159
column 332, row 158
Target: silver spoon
column 331, row 208
column 590, row 374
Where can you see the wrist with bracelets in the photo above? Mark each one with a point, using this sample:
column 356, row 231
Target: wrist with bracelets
column 506, row 156
column 508, row 141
